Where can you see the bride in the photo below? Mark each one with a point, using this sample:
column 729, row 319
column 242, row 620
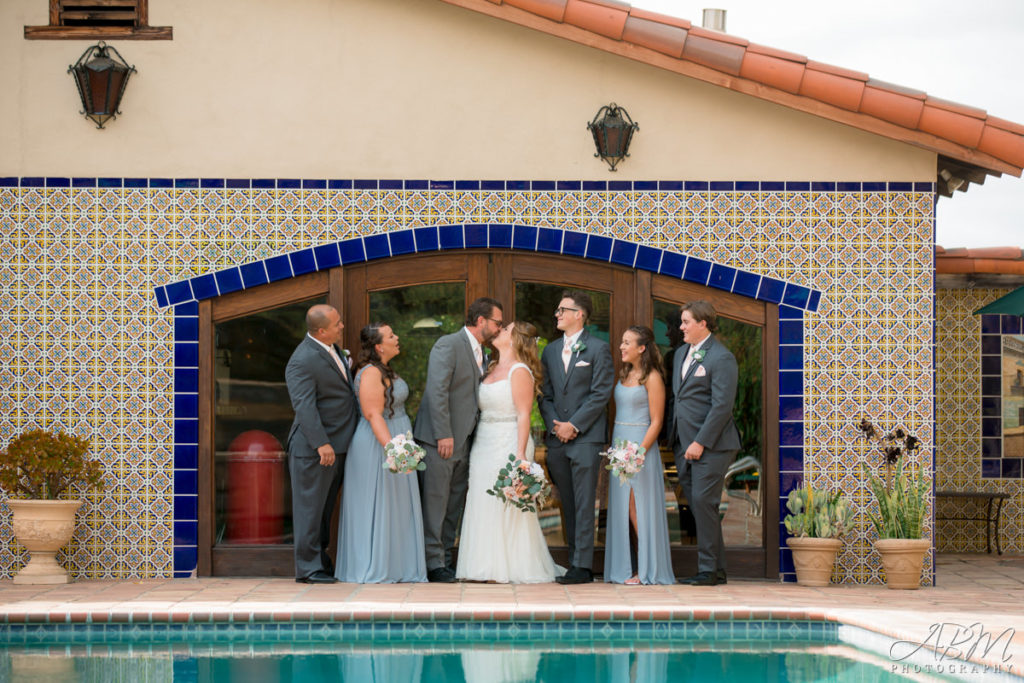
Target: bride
column 502, row 543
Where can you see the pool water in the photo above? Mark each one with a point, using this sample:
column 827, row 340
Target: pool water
column 426, row 652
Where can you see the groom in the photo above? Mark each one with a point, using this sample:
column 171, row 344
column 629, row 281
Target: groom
column 578, row 380
column 446, row 419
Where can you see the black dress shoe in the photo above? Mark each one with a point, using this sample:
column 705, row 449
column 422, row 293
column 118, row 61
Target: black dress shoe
column 441, row 575
column 722, row 578
column 317, row 577
column 701, row 579
column 576, row 575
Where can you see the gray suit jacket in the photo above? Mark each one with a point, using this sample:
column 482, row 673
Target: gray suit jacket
column 326, row 410
column 580, row 396
column 704, row 401
column 449, row 409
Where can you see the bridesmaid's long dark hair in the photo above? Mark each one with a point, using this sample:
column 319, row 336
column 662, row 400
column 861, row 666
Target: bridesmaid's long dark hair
column 369, row 337
column 650, row 359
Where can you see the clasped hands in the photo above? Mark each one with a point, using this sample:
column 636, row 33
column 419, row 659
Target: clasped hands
column 564, row 431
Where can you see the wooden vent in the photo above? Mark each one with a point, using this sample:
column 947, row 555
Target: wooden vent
column 100, row 13
column 104, row 19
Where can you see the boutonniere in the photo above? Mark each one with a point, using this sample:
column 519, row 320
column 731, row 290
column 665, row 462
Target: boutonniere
column 698, row 355
column 577, row 347
column 345, row 354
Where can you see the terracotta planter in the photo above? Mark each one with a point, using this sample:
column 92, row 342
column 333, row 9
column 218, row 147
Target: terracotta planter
column 43, row 526
column 814, row 559
column 902, row 559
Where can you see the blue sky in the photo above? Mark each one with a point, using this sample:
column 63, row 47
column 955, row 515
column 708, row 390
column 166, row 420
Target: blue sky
column 966, row 52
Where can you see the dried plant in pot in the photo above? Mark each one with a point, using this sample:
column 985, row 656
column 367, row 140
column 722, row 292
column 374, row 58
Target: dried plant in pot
column 902, row 502
column 815, row 521
column 37, row 469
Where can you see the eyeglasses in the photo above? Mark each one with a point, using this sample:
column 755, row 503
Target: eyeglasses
column 561, row 310
column 499, row 323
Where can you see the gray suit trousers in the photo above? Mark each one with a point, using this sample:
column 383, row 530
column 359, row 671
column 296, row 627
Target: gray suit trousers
column 311, row 484
column 574, row 469
column 702, row 481
column 443, row 487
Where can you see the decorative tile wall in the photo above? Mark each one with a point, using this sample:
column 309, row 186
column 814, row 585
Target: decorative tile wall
column 962, row 431
column 92, row 350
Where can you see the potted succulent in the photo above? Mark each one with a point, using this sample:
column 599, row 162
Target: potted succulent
column 902, row 499
column 815, row 521
column 36, row 469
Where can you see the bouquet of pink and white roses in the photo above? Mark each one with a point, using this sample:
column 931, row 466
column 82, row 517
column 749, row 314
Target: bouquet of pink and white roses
column 522, row 484
column 403, row 455
column 625, row 459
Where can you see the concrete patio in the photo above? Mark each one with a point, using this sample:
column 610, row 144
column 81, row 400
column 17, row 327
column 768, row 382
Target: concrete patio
column 985, row 590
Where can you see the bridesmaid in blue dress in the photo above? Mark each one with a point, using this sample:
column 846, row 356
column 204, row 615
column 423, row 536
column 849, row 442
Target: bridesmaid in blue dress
column 380, row 533
column 636, row 547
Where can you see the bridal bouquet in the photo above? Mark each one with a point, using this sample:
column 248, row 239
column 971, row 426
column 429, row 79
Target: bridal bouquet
column 402, row 455
column 521, row 484
column 625, row 458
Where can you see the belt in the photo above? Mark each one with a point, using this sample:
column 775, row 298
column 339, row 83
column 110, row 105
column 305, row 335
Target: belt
column 633, row 424
column 512, row 418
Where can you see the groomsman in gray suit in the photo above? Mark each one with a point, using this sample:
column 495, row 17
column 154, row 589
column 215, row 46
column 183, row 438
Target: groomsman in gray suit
column 326, row 414
column 704, row 380
column 579, row 376
column 444, row 424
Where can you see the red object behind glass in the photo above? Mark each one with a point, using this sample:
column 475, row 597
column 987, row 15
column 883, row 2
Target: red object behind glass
column 256, row 484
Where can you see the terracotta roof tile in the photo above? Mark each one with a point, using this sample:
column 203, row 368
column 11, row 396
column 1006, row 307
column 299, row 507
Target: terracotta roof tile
column 714, row 53
column 883, row 103
column 985, row 260
column 953, row 130
column 666, row 39
column 660, row 18
column 778, row 73
column 549, row 9
column 828, row 87
column 601, row 17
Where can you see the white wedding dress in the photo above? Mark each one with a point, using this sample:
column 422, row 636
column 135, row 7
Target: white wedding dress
column 499, row 542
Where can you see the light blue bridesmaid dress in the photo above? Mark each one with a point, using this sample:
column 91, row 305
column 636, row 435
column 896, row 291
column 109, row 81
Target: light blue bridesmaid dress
column 632, row 418
column 380, row 532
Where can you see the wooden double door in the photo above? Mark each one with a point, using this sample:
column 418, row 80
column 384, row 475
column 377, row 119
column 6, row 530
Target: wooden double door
column 246, row 338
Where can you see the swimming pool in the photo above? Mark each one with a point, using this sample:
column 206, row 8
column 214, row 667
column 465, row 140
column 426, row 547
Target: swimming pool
column 446, row 651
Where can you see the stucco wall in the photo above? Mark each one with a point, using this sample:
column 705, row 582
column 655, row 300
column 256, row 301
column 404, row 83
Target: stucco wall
column 397, row 89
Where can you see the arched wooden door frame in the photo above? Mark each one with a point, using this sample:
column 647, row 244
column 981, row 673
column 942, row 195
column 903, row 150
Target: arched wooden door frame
column 492, row 273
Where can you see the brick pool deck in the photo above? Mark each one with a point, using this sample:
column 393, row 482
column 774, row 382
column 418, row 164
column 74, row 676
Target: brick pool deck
column 971, row 589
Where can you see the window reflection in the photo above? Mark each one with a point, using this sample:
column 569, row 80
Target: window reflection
column 419, row 315
column 1013, row 396
column 251, row 421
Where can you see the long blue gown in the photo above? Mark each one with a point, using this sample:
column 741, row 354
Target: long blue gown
column 380, row 533
column 632, row 418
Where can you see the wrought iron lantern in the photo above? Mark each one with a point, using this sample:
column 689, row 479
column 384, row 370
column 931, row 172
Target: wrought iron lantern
column 613, row 130
column 101, row 79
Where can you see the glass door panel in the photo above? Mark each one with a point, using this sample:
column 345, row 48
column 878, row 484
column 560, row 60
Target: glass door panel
column 741, row 504
column 419, row 315
column 252, row 417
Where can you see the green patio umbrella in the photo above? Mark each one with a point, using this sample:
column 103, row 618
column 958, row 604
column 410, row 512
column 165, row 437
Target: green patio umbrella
column 1012, row 304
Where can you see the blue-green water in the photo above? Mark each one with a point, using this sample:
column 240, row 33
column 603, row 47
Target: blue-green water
column 427, row 652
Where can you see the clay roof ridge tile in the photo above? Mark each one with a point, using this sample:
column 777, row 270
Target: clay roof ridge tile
column 896, row 88
column 600, row 16
column 956, row 107
column 1003, row 124
column 718, row 35
column 837, row 70
column 775, row 52
column 659, row 18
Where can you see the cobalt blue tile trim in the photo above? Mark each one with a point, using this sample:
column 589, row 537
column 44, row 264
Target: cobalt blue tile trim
column 795, row 295
column 66, row 182
column 549, row 240
column 791, row 408
column 211, row 182
column 524, row 237
column 499, row 236
column 254, row 274
column 670, row 185
column 517, row 185
column 352, row 251
column 426, row 239
column 91, row 182
column 161, row 297
column 238, row 183
column 542, row 185
column 722, row 277
column 9, row 181
column 475, row 236
column 492, row 185
column 339, row 184
column 263, row 184
column 314, row 184
column 186, row 328
column 823, row 187
column 204, row 286
column 747, row 186
column 186, row 380
column 645, row 185
column 278, row 268
column 624, row 253
column 377, row 246
column 451, row 236
column 327, row 256
column 672, row 264
column 186, row 482
column 848, row 187
column 901, row 187
column 648, row 258
column 364, row 184
column 620, row 186
column 288, row 184
column 924, row 187
column 697, row 270
column 391, row 184
column 186, row 354
column 873, row 187
column 797, row 186
column 182, row 183
column 772, row 186
column 746, row 284
column 302, row 261
column 186, row 405
column 599, row 248
column 595, row 185
column 33, row 182
column 186, row 533
column 771, row 290
column 402, row 242
column 574, row 243
column 187, row 505
column 186, row 455
column 568, row 186
column 722, row 186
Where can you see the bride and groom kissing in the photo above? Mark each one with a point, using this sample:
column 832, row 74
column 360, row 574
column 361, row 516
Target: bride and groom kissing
column 475, row 412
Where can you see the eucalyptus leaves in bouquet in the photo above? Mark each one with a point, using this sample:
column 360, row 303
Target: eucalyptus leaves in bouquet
column 902, row 496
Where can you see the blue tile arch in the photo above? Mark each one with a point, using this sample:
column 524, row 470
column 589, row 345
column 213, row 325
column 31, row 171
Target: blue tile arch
column 794, row 301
